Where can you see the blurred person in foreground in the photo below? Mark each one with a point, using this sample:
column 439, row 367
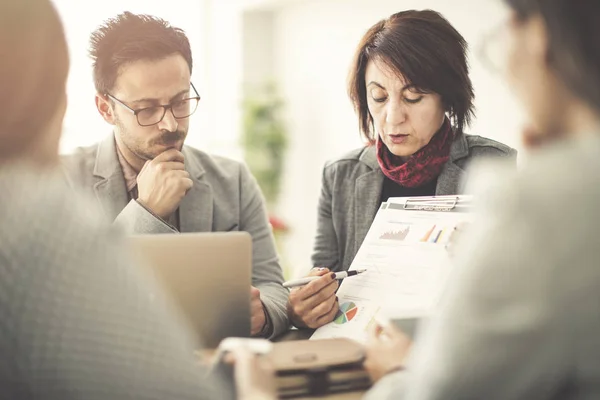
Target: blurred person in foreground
column 410, row 87
column 77, row 319
column 520, row 318
column 142, row 175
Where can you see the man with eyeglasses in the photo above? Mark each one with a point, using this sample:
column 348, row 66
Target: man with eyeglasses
column 144, row 177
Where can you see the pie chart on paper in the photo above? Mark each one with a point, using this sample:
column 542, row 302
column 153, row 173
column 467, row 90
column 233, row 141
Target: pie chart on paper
column 346, row 313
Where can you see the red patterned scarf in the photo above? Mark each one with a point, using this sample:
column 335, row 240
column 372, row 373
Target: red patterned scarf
column 423, row 166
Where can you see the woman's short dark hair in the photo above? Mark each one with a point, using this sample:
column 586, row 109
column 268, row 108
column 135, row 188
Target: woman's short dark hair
column 33, row 72
column 573, row 28
column 129, row 37
column 423, row 48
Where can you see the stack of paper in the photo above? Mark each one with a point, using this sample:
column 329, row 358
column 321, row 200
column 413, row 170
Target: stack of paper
column 407, row 266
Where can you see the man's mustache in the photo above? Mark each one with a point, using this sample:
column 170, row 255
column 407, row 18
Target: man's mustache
column 170, row 137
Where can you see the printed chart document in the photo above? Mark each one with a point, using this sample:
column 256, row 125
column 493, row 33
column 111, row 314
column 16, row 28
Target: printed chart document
column 407, row 266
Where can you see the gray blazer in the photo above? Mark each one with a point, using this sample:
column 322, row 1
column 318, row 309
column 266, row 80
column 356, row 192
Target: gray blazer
column 224, row 197
column 351, row 191
column 521, row 316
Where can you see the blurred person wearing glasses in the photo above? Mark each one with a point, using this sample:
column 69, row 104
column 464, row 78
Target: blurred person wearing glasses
column 143, row 175
column 410, row 87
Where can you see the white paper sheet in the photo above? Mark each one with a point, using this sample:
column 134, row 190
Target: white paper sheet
column 407, row 266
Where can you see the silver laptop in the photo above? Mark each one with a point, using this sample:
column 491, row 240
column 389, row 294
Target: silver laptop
column 206, row 275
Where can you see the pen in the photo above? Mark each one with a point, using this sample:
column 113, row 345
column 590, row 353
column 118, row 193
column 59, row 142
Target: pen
column 308, row 279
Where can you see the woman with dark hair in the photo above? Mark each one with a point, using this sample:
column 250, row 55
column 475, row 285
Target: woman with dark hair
column 410, row 87
column 520, row 319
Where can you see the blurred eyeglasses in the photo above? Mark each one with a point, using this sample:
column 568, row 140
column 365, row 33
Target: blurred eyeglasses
column 149, row 116
column 493, row 49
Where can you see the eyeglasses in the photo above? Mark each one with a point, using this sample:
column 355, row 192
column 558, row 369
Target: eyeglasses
column 149, row 116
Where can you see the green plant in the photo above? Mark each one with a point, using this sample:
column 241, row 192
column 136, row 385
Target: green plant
column 264, row 141
column 264, row 138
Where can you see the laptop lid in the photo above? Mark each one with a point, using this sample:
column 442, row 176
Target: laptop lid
column 206, row 275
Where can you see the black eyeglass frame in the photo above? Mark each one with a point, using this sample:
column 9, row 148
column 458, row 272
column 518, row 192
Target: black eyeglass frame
column 164, row 107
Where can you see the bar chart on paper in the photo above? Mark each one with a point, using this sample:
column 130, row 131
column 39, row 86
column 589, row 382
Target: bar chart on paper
column 407, row 265
column 417, row 233
column 437, row 234
column 399, row 235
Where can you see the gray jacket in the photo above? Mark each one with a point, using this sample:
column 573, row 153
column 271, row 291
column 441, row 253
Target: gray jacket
column 77, row 321
column 351, row 191
column 224, row 197
column 521, row 316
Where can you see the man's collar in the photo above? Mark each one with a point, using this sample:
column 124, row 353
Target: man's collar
column 129, row 173
column 107, row 161
column 192, row 162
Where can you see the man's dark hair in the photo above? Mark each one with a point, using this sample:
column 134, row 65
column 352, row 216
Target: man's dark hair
column 128, row 38
column 423, row 48
column 573, row 28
